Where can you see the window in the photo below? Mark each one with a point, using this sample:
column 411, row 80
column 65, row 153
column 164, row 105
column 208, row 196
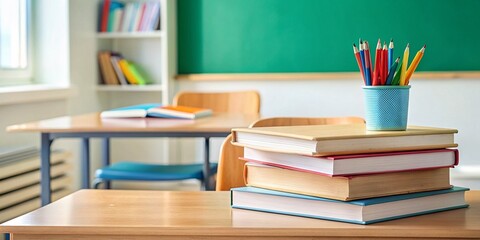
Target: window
column 15, row 46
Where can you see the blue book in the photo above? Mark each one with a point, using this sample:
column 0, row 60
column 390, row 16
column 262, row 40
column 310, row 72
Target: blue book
column 363, row 211
column 135, row 111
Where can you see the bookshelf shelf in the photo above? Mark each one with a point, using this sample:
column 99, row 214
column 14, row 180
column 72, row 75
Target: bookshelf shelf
column 130, row 88
column 120, row 35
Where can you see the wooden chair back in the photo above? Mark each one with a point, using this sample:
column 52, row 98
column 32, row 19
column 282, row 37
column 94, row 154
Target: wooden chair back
column 230, row 167
column 247, row 102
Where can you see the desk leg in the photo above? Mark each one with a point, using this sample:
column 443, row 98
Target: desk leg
column 106, row 157
column 85, row 165
column 206, row 166
column 45, row 168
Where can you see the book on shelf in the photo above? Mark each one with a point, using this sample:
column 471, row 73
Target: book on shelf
column 325, row 140
column 114, row 15
column 341, row 165
column 115, row 70
column 364, row 211
column 115, row 60
column 107, row 72
column 345, row 188
column 156, row 110
column 119, row 16
column 104, row 15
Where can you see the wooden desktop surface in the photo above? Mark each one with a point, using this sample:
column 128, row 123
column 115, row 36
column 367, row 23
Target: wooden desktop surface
column 219, row 122
column 120, row 214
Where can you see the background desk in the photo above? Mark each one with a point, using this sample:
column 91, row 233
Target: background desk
column 92, row 126
column 116, row 214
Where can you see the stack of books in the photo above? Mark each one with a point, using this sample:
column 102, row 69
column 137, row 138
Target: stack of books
column 116, row 70
column 346, row 173
column 117, row 16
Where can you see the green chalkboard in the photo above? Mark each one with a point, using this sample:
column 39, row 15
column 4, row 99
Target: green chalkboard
column 269, row 36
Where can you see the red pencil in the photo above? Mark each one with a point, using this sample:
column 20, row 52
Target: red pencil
column 376, row 71
column 385, row 63
column 359, row 61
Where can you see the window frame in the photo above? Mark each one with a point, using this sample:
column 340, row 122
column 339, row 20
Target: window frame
column 23, row 76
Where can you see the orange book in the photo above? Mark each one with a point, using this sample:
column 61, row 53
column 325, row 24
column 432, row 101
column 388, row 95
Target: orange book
column 179, row 112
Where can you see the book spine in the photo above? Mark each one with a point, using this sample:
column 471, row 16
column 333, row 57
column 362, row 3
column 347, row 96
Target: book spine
column 105, row 11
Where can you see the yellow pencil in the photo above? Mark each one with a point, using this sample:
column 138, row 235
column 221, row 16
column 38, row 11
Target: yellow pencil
column 414, row 64
column 404, row 65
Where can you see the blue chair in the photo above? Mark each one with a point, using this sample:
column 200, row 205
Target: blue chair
column 151, row 172
column 247, row 102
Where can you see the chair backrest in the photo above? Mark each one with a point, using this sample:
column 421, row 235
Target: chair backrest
column 247, row 102
column 230, row 167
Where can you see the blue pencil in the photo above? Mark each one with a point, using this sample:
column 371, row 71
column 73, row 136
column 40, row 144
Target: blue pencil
column 362, row 57
column 390, row 53
column 392, row 72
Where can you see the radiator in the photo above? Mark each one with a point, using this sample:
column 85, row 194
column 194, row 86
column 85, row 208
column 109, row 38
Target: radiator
column 20, row 180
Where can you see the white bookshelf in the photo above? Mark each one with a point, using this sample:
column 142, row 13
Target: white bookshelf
column 154, row 52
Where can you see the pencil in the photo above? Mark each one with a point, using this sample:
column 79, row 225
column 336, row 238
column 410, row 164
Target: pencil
column 384, row 63
column 368, row 64
column 414, row 64
column 359, row 61
column 392, row 72
column 390, row 54
column 381, row 67
column 398, row 73
column 404, row 65
column 362, row 54
column 376, row 71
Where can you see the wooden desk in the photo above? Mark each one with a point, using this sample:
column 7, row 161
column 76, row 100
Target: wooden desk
column 117, row 214
column 93, row 126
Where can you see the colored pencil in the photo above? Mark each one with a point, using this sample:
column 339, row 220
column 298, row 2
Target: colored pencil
column 381, row 67
column 414, row 64
column 362, row 54
column 368, row 64
column 385, row 63
column 390, row 54
column 391, row 72
column 359, row 62
column 398, row 74
column 376, row 70
column 404, row 65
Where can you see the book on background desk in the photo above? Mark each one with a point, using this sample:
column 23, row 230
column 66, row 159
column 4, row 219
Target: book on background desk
column 364, row 211
column 345, row 188
column 341, row 165
column 158, row 111
column 134, row 111
column 325, row 140
column 179, row 112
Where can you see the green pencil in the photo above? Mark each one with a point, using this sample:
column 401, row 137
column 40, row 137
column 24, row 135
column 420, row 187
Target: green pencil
column 398, row 73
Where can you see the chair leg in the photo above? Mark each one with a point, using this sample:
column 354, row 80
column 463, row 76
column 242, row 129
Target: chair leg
column 97, row 183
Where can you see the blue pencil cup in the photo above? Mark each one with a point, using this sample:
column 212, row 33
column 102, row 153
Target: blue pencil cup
column 386, row 107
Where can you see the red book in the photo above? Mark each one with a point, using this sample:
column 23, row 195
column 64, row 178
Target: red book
column 105, row 11
column 356, row 164
column 142, row 17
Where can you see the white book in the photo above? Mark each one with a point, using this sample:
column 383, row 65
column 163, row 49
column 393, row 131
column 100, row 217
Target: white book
column 347, row 165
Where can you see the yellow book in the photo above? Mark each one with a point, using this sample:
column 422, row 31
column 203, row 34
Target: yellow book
column 325, row 140
column 346, row 188
column 127, row 72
